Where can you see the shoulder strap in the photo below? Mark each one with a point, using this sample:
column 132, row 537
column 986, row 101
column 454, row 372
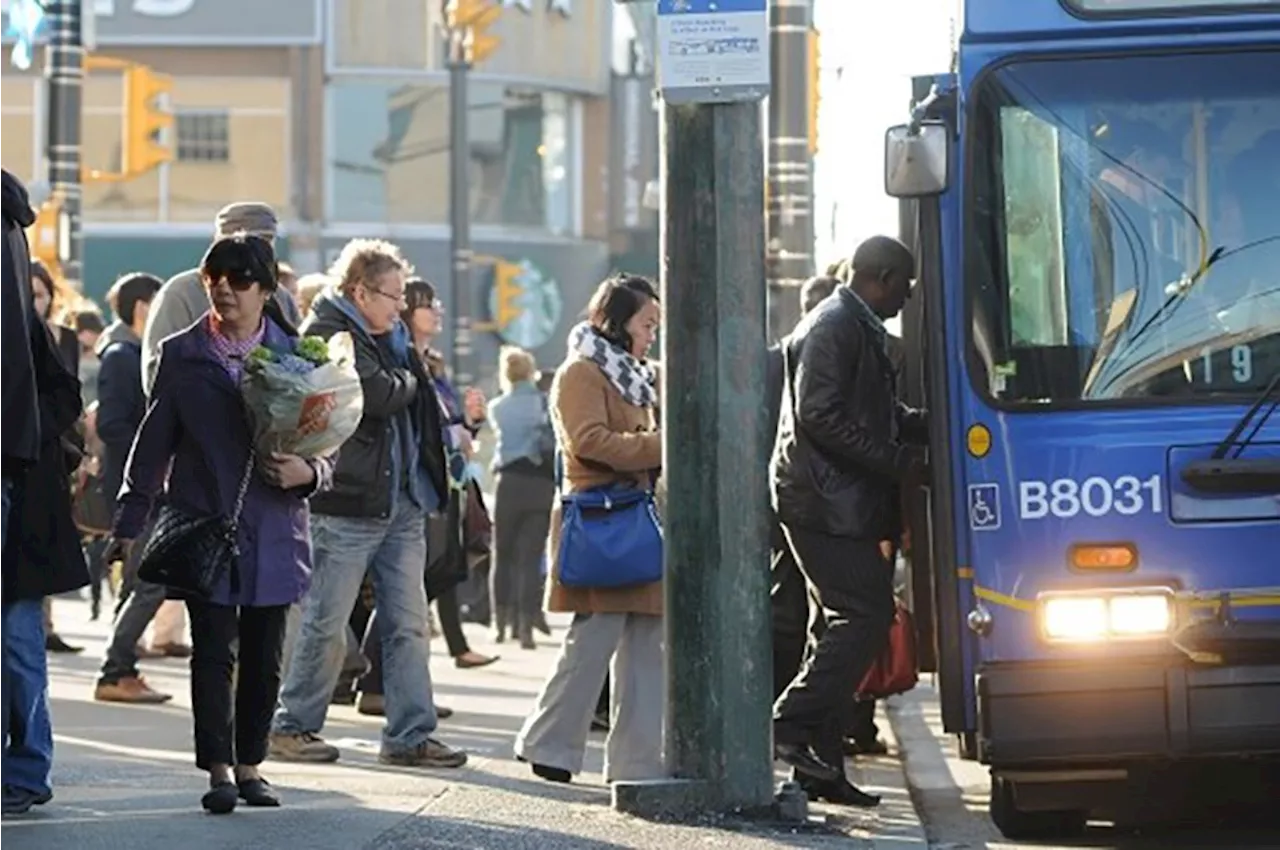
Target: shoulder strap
column 244, row 488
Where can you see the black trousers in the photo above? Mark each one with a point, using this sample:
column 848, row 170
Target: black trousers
column 233, row 711
column 450, row 625
column 852, row 583
column 795, row 631
column 521, row 519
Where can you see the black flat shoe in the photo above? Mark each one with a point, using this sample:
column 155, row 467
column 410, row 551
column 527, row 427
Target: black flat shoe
column 220, row 799
column 443, row 712
column 257, row 792
column 54, row 643
column 552, row 774
column 843, row 793
column 806, row 762
column 547, row 772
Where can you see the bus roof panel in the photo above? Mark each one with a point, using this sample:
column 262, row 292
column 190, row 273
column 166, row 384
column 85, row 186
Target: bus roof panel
column 1033, row 20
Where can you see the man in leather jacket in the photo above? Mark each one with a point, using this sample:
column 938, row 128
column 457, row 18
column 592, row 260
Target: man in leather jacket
column 389, row 476
column 844, row 447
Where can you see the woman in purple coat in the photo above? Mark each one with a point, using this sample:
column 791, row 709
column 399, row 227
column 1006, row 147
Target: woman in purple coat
column 191, row 452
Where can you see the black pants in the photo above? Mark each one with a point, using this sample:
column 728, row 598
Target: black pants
column 221, row 636
column 450, row 624
column 521, row 519
column 853, row 586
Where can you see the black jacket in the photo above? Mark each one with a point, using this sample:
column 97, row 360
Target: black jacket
column 361, row 485
column 20, row 431
column 42, row 554
column 840, row 453
column 121, row 402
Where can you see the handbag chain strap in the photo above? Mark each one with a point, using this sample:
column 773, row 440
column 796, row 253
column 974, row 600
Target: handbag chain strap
column 244, row 489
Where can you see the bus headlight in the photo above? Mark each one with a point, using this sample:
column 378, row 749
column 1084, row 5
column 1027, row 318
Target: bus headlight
column 1103, row 615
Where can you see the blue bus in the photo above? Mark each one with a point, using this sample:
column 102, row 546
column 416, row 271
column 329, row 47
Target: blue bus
column 1094, row 195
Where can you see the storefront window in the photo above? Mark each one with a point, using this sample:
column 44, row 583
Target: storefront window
column 388, row 155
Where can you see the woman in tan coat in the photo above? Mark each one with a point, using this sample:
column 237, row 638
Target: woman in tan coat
column 603, row 403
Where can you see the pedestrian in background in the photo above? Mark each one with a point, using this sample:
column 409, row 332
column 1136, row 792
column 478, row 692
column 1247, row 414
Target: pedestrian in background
column 447, row 550
column 54, row 303
column 196, row 446
column 603, row 404
column 121, row 408
column 523, row 461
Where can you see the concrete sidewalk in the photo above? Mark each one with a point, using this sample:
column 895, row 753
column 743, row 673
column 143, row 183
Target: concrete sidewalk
column 124, row 779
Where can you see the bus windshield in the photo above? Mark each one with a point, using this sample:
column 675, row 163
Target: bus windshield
column 1124, row 236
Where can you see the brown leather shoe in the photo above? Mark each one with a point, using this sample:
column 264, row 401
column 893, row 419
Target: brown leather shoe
column 172, row 650
column 146, row 653
column 131, row 689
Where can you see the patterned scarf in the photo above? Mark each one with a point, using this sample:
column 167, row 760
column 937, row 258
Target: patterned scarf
column 629, row 376
column 231, row 354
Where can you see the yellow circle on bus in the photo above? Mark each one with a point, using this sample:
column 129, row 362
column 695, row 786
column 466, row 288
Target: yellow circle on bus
column 979, row 440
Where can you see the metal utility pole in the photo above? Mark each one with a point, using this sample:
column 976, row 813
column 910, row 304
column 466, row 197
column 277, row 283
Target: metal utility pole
column 719, row 749
column 64, row 71
column 791, row 235
column 459, row 207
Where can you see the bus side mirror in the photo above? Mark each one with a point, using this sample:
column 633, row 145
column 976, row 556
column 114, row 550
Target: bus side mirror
column 915, row 160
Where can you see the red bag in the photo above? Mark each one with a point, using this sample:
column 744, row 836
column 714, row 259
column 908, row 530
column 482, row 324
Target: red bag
column 897, row 669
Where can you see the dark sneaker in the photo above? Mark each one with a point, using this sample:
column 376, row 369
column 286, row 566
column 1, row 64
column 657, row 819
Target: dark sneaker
column 18, row 801
column 302, row 747
column 430, row 753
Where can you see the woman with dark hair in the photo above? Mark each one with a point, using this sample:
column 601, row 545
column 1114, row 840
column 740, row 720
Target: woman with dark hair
column 52, row 301
column 194, row 450
column 447, row 555
column 603, row 404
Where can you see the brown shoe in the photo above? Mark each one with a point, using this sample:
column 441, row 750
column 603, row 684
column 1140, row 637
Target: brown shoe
column 172, row 650
column 372, row 704
column 430, row 753
column 145, row 653
column 303, row 747
column 131, row 689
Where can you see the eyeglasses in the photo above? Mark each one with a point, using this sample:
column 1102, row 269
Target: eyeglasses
column 394, row 297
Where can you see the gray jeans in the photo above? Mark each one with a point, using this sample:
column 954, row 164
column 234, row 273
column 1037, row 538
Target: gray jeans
column 343, row 549
column 139, row 602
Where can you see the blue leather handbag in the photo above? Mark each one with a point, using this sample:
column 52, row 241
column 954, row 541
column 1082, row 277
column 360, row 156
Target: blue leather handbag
column 610, row 537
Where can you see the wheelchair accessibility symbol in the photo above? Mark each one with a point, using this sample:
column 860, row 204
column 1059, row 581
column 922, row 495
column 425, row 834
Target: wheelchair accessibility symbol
column 984, row 507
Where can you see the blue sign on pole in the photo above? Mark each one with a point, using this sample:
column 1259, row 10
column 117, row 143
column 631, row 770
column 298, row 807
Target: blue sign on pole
column 713, row 51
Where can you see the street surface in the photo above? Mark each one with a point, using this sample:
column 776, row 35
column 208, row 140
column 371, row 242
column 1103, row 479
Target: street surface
column 952, row 795
column 124, row 778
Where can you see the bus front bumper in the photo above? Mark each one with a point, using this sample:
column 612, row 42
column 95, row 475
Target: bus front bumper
column 1105, row 712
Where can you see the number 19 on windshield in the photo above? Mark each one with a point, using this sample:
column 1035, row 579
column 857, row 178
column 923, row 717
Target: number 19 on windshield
column 1241, row 368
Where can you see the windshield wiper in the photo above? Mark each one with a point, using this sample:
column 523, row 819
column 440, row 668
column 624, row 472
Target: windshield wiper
column 1234, row 474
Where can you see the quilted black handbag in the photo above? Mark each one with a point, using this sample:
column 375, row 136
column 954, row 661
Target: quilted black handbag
column 190, row 554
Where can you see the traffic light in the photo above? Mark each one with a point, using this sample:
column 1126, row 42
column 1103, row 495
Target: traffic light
column 48, row 234
column 507, row 306
column 815, row 87
column 475, row 17
column 144, row 119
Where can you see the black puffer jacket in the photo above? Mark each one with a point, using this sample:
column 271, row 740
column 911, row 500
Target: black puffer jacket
column 361, row 479
column 840, row 454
